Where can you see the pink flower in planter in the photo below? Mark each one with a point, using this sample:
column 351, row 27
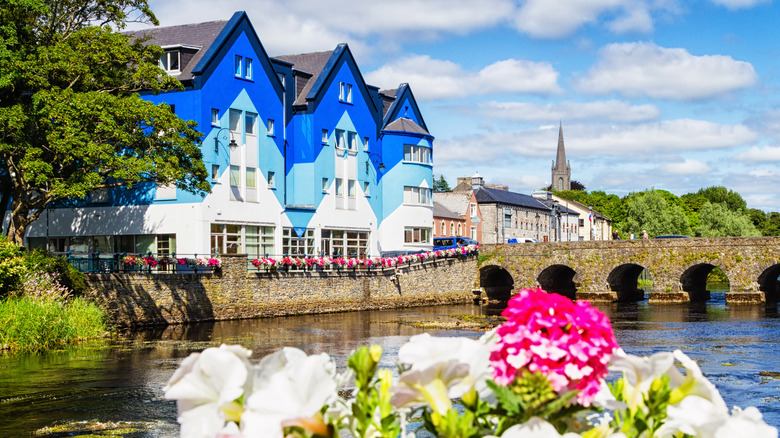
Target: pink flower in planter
column 570, row 343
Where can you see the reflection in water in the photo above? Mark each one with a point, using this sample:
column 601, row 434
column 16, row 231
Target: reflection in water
column 123, row 380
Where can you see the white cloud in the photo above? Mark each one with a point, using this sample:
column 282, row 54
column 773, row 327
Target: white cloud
column 762, row 173
column 555, row 19
column 756, row 154
column 608, row 110
column 686, row 167
column 432, row 79
column 739, row 4
column 635, row 69
column 636, row 19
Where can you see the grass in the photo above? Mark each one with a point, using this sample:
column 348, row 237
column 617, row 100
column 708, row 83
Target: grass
column 34, row 325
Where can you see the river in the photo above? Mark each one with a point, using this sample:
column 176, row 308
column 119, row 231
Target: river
column 105, row 384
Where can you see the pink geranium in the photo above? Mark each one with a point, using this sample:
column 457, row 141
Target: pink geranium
column 570, row 343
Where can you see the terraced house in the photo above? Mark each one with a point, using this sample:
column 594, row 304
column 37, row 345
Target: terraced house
column 304, row 158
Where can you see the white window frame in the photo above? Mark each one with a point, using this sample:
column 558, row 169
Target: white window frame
column 214, row 117
column 215, row 172
column 418, row 154
column 165, row 65
column 270, row 124
column 417, row 196
column 247, row 68
column 324, row 136
column 238, row 66
column 271, row 179
column 417, row 235
column 340, row 138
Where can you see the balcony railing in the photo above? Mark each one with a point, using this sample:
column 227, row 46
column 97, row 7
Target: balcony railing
column 143, row 262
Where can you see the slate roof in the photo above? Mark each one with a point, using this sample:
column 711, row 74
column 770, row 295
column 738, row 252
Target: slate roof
column 311, row 63
column 404, row 124
column 200, row 35
column 487, row 195
column 457, row 202
column 440, row 211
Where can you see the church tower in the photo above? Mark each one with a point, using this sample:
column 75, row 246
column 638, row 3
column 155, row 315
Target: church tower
column 561, row 170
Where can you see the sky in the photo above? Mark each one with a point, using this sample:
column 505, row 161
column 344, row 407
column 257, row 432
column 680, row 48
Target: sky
column 664, row 94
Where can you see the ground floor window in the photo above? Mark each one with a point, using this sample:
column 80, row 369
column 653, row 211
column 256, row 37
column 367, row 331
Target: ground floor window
column 417, row 235
column 292, row 244
column 125, row 244
column 253, row 240
column 345, row 243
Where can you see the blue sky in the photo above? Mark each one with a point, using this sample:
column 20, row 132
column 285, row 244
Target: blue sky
column 675, row 95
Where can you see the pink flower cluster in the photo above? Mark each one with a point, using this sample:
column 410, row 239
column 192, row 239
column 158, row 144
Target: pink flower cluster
column 570, row 343
column 353, row 263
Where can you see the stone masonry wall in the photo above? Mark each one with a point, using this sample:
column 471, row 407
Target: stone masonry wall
column 143, row 299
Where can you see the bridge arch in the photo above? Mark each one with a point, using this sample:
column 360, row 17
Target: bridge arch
column 623, row 280
column 497, row 282
column 769, row 283
column 694, row 281
column 558, row 279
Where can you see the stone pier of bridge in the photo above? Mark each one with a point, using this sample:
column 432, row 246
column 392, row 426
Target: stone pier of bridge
column 609, row 270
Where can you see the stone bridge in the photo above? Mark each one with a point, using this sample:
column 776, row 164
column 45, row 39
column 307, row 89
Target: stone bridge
column 609, row 270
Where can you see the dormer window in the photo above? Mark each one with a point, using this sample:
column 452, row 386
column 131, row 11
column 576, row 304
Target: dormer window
column 345, row 92
column 170, row 61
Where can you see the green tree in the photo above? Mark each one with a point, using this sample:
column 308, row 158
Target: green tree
column 692, row 203
column 758, row 217
column 722, row 195
column 772, row 226
column 71, row 120
column 716, row 220
column 441, row 185
column 650, row 210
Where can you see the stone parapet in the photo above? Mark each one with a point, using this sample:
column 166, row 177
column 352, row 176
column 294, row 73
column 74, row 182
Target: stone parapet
column 143, row 299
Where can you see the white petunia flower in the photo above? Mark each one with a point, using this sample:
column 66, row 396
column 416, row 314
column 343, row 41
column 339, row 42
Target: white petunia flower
column 288, row 386
column 205, row 388
column 430, row 386
column 423, row 351
column 747, row 422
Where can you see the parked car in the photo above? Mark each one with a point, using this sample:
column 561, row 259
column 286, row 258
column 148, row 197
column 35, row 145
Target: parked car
column 672, row 236
column 522, row 240
column 452, row 242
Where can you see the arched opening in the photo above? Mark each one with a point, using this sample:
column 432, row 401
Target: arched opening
column 558, row 279
column 624, row 280
column 694, row 281
column 769, row 283
column 497, row 283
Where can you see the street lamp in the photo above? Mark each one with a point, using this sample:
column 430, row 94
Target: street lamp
column 232, row 143
column 377, row 160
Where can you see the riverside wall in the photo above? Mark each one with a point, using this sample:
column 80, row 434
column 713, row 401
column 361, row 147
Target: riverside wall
column 137, row 299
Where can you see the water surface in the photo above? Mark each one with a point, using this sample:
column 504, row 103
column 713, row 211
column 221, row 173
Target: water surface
column 122, row 380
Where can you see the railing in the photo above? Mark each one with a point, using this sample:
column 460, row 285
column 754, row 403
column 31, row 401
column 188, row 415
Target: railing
column 142, row 262
column 292, row 263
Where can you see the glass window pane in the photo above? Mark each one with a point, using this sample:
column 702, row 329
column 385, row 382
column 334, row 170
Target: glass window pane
column 238, row 66
column 235, row 176
column 235, row 120
column 251, row 177
column 249, row 121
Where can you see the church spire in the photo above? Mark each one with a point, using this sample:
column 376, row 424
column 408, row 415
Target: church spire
column 561, row 171
column 560, row 157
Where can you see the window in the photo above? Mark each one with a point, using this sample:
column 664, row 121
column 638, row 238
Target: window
column 324, row 136
column 340, row 138
column 324, row 184
column 473, row 233
column 460, row 230
column 417, row 154
column 100, row 195
column 417, row 235
column 252, row 240
column 250, row 123
column 251, row 177
column 351, row 188
column 349, row 93
column 271, row 180
column 239, row 69
column 352, row 141
column 235, row 121
column 344, row 243
column 339, row 187
column 473, row 210
column 452, row 228
column 214, row 117
column 292, row 244
column 169, row 61
column 582, row 222
column 281, row 79
column 442, row 228
column 417, row 195
column 365, row 143
column 341, row 91
column 507, row 218
column 270, row 127
column 248, row 68
column 235, row 176
column 164, row 191
column 215, row 172
column 345, row 92
column 366, row 188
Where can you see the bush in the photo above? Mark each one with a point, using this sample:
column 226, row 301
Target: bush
column 30, row 325
column 15, row 264
column 12, row 268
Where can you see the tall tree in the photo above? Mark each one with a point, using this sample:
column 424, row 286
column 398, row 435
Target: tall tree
column 716, row 220
column 71, row 120
column 722, row 195
column 650, row 210
column 441, row 185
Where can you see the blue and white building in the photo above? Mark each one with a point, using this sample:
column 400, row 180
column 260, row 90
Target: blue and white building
column 304, row 158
